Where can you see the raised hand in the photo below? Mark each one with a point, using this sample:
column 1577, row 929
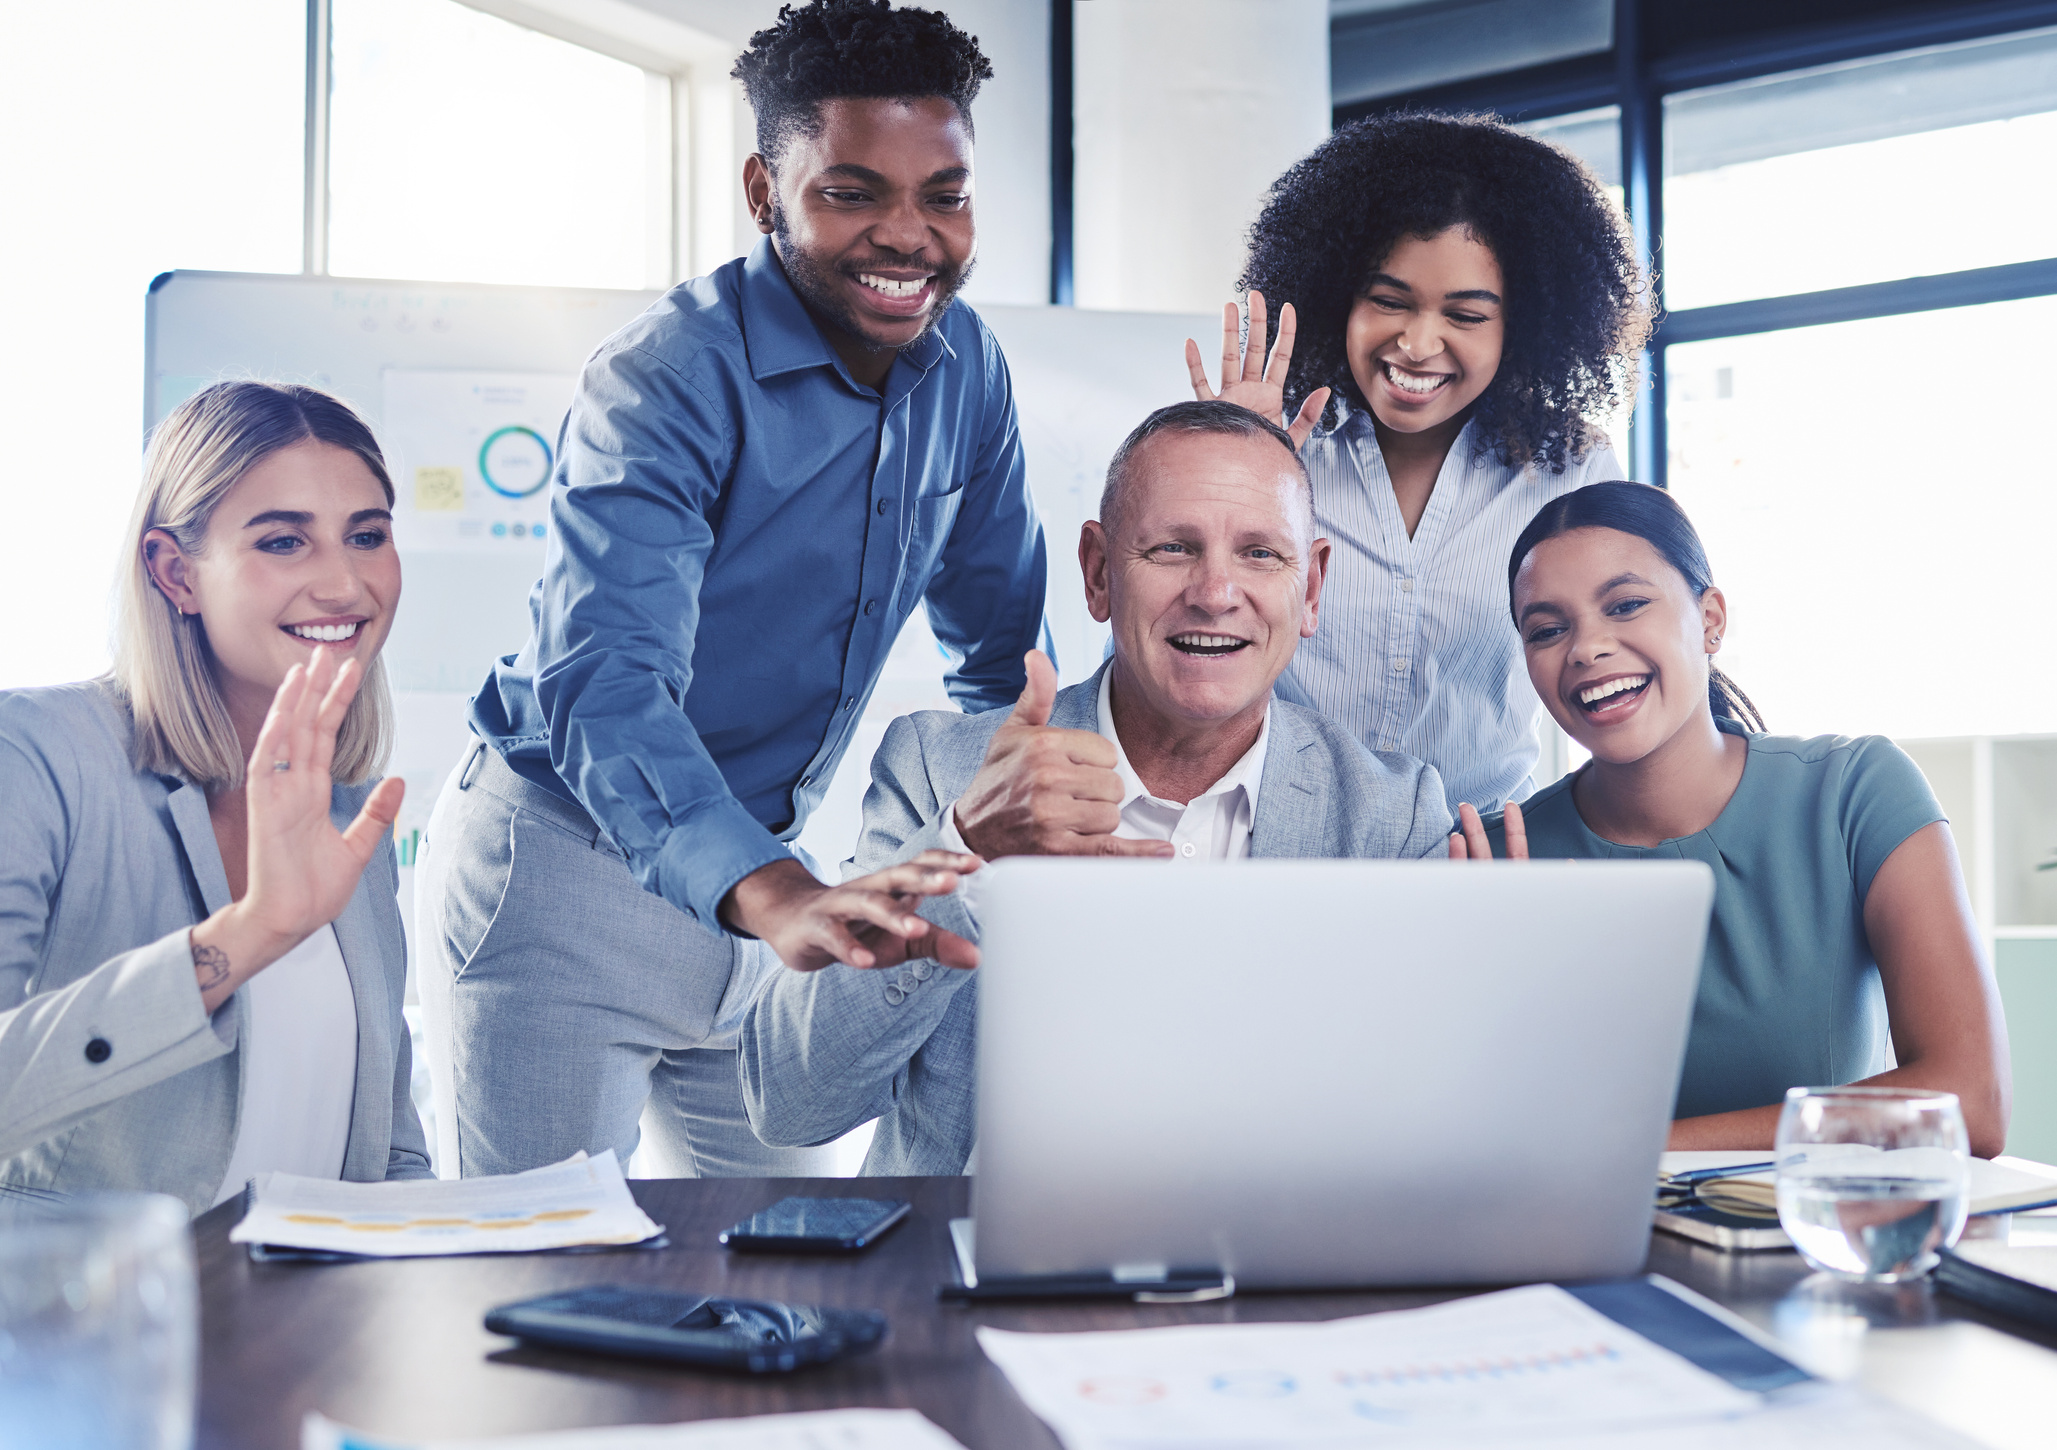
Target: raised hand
column 1044, row 791
column 1246, row 377
column 1468, row 842
column 302, row 871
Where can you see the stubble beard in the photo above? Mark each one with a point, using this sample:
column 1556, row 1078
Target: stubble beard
column 817, row 287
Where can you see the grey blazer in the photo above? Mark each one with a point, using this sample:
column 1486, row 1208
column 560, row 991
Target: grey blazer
column 103, row 868
column 824, row 1051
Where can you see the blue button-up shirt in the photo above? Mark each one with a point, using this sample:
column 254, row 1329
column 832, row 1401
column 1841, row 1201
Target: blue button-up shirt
column 739, row 531
column 1417, row 651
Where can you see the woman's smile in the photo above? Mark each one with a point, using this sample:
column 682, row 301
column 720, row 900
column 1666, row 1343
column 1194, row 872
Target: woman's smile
column 1611, row 699
column 328, row 631
column 1410, row 384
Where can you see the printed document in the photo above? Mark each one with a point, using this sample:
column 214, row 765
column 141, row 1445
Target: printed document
column 1524, row 1362
column 817, row 1430
column 582, row 1201
column 1532, row 1367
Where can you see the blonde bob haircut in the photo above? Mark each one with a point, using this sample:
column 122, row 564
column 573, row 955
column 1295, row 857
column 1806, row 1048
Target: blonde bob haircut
column 163, row 667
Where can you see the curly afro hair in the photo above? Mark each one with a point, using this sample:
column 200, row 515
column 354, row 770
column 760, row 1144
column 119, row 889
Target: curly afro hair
column 831, row 48
column 1576, row 308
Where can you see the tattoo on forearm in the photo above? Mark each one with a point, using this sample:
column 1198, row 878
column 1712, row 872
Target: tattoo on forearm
column 212, row 963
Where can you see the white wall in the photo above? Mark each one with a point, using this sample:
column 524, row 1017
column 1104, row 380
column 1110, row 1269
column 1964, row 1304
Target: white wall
column 1186, row 111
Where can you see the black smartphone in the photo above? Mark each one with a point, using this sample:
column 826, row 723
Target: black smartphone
column 757, row 1336
column 816, row 1225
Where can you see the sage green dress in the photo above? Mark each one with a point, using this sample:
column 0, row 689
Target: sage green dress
column 1789, row 991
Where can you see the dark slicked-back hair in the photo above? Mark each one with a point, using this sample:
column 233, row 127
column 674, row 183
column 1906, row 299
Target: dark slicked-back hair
column 1577, row 302
column 1655, row 517
column 833, row 48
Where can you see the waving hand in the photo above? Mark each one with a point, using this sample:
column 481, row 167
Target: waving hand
column 1247, row 378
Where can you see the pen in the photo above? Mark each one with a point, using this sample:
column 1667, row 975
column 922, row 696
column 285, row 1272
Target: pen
column 1702, row 1175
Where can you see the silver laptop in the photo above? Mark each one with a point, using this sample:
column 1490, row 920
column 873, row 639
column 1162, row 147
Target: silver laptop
column 1328, row 1073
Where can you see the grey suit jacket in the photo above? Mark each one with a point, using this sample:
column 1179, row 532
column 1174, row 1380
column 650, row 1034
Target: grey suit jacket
column 824, row 1051
column 103, row 869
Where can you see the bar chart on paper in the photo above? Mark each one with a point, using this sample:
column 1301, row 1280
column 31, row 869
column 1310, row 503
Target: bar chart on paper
column 1531, row 1361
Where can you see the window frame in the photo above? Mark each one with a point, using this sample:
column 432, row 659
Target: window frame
column 695, row 150
column 1635, row 79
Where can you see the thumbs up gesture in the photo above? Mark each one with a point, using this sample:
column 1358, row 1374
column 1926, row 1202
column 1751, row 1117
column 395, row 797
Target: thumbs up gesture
column 1044, row 791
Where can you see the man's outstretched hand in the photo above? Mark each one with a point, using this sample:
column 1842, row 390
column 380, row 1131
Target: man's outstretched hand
column 1044, row 791
column 868, row 922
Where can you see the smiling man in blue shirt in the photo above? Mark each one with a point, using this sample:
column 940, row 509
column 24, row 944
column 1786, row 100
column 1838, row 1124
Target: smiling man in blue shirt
column 759, row 479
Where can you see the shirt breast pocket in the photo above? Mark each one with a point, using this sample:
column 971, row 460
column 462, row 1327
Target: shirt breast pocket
column 934, row 514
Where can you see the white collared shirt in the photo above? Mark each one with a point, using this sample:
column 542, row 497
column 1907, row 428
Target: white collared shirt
column 1213, row 826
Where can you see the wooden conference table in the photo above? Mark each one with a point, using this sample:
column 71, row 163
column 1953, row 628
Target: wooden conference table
column 396, row 1347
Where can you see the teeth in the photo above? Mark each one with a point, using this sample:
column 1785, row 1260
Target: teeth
column 326, row 633
column 1407, row 383
column 1196, row 640
column 1592, row 694
column 890, row 287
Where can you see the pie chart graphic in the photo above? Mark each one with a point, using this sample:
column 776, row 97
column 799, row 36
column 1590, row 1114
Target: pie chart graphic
column 515, row 461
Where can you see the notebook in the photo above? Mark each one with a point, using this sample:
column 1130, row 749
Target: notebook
column 1998, row 1185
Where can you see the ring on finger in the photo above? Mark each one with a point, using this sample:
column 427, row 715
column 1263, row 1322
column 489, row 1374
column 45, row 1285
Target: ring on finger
column 282, row 765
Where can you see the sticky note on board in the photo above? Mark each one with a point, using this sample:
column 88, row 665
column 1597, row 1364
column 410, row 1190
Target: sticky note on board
column 438, row 490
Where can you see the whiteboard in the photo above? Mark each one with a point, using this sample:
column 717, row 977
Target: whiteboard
column 343, row 335
column 1082, row 380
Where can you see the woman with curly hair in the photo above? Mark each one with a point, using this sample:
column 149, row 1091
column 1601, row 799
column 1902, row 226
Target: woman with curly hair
column 1471, row 300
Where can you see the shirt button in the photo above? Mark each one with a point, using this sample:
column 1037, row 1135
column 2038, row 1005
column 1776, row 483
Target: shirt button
column 850, row 702
column 806, row 780
column 1399, row 664
column 99, row 1050
column 871, row 606
column 1186, row 850
column 1406, row 586
column 882, row 508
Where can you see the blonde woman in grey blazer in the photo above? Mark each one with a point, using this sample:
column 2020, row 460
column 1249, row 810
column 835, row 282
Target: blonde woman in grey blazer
column 201, row 964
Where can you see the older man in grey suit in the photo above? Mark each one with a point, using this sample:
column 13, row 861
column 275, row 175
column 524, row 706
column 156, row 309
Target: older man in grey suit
column 1204, row 561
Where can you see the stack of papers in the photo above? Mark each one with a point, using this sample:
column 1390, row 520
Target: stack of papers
column 1999, row 1185
column 820, row 1430
column 582, row 1202
column 1531, row 1366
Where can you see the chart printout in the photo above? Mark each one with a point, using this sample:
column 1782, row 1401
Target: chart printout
column 1523, row 1362
column 815, row 1430
column 471, row 454
column 565, row 1205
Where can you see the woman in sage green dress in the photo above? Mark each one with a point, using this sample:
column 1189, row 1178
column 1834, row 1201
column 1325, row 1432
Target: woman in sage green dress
column 1842, row 947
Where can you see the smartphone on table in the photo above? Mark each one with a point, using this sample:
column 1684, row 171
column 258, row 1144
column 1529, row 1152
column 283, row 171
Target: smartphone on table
column 816, row 1226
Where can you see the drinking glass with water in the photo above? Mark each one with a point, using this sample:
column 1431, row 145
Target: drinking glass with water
column 1872, row 1182
column 98, row 1324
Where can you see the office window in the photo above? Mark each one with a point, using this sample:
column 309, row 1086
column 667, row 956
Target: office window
column 1903, row 166
column 464, row 148
column 1594, row 137
column 1880, row 506
column 135, row 137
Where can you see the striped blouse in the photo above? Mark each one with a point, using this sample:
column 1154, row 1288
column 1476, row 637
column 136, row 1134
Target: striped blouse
column 1416, row 652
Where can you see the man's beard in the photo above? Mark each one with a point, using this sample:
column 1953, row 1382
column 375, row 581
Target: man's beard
column 817, row 285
